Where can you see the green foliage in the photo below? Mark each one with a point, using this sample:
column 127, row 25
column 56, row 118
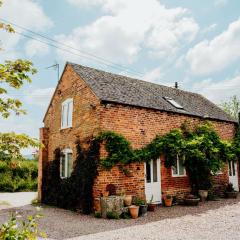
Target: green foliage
column 15, row 229
column 97, row 215
column 12, row 143
column 202, row 151
column 139, row 202
column 18, row 176
column 232, row 107
column 113, row 215
column 74, row 192
column 13, row 75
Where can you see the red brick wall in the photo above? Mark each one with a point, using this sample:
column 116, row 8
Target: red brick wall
column 85, row 114
column 138, row 125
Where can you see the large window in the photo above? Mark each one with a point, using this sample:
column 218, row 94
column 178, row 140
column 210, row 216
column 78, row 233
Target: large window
column 66, row 163
column 178, row 168
column 67, row 111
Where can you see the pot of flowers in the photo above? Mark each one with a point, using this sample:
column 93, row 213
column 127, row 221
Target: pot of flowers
column 230, row 192
column 133, row 210
column 191, row 200
column 127, row 200
column 203, row 194
column 142, row 207
column 168, row 200
column 151, row 205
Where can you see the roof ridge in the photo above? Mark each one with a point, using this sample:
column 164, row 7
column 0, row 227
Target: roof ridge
column 136, row 79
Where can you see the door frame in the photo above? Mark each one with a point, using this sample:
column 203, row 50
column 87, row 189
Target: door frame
column 159, row 179
column 235, row 163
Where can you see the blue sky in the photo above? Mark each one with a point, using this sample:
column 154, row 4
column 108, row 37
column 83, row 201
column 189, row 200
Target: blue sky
column 196, row 43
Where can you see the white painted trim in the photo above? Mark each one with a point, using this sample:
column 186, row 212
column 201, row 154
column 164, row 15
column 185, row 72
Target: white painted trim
column 65, row 116
column 65, row 153
column 178, row 175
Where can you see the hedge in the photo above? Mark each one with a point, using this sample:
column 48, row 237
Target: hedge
column 18, row 176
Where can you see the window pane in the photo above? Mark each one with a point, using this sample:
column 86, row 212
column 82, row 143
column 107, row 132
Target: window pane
column 175, row 168
column 70, row 164
column 63, row 166
column 233, row 168
column 148, row 172
column 181, row 167
column 155, row 176
column 230, row 168
column 69, row 114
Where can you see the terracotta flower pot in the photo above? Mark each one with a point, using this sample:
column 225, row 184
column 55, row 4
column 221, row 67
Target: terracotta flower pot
column 231, row 194
column 133, row 210
column 168, row 202
column 127, row 200
column 151, row 207
column 105, row 193
column 203, row 194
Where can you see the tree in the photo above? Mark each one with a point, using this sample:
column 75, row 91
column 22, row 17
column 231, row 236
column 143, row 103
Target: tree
column 232, row 107
column 13, row 74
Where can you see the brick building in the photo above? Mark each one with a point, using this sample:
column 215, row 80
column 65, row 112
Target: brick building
column 87, row 101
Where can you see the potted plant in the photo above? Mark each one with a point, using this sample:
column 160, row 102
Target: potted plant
column 191, row 200
column 127, row 200
column 142, row 207
column 133, row 210
column 151, row 205
column 168, row 200
column 230, row 192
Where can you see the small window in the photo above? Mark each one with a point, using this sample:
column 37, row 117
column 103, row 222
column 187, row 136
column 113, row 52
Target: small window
column 66, row 163
column 178, row 168
column 173, row 102
column 66, row 116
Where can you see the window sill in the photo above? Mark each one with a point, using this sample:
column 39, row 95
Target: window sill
column 65, row 128
column 177, row 176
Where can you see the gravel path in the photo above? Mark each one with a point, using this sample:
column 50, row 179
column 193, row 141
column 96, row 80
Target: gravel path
column 10, row 200
column 220, row 224
column 211, row 220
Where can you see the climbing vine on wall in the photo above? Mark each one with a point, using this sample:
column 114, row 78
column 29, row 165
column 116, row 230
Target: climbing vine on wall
column 201, row 149
column 74, row 192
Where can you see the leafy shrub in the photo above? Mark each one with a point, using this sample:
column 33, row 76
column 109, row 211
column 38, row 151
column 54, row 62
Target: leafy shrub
column 112, row 215
column 18, row 176
column 98, row 215
column 21, row 230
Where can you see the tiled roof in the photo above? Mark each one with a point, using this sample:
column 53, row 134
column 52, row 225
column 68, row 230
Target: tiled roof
column 125, row 90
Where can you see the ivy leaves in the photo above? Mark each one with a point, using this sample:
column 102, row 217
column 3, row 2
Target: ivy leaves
column 201, row 149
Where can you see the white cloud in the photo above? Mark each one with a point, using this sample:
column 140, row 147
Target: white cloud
column 39, row 97
column 220, row 3
column 215, row 55
column 26, row 13
column 218, row 91
column 33, row 48
column 155, row 75
column 210, row 28
column 129, row 26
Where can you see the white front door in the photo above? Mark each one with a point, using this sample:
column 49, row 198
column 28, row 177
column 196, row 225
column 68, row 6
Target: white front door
column 153, row 181
column 233, row 174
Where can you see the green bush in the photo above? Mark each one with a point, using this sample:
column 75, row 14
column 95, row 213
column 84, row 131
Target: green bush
column 18, row 176
column 21, row 229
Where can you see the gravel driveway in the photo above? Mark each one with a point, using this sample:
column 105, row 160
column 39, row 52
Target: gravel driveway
column 18, row 199
column 211, row 220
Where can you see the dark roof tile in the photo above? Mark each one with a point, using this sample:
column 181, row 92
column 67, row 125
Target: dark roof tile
column 125, row 90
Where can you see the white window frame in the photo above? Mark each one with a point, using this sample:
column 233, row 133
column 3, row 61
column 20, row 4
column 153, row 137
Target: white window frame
column 178, row 175
column 66, row 115
column 64, row 155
